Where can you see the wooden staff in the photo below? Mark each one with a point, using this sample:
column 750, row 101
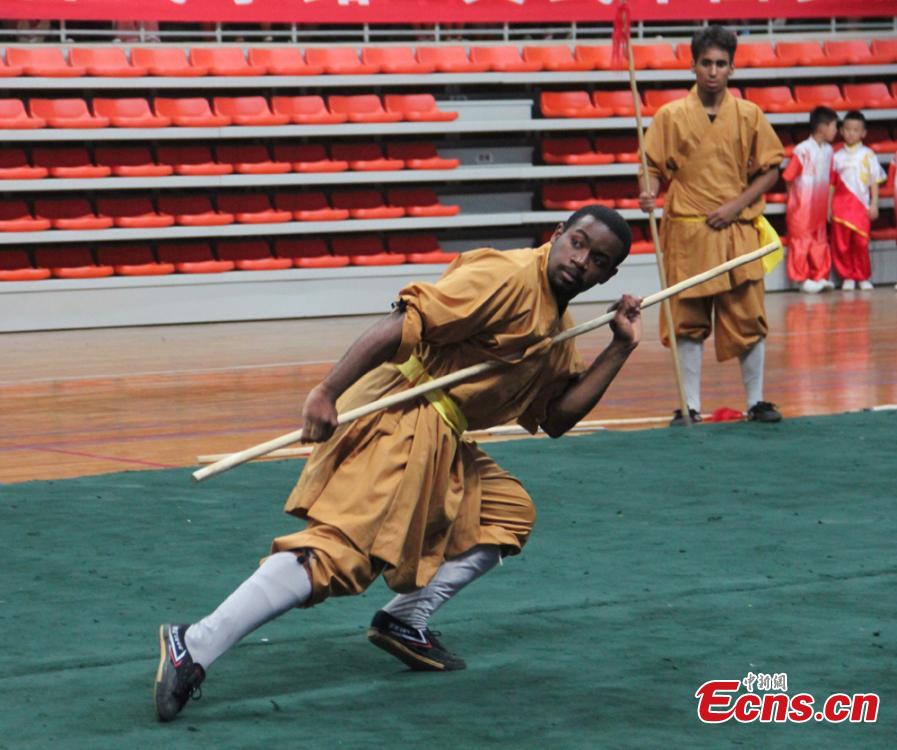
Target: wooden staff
column 445, row 381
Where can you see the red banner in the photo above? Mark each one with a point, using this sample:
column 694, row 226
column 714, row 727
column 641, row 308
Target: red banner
column 432, row 11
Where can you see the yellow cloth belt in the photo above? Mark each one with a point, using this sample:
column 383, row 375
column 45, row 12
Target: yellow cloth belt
column 852, row 227
column 451, row 413
column 767, row 234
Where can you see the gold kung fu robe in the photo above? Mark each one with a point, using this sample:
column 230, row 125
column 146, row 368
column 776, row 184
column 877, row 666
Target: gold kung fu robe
column 399, row 490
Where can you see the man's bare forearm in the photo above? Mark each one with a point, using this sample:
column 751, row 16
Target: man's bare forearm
column 761, row 184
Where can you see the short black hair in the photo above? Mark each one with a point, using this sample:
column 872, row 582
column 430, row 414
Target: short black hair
column 610, row 218
column 713, row 36
column 855, row 114
column 822, row 116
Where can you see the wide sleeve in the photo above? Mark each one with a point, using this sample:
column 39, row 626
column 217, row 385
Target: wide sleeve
column 768, row 150
column 794, row 168
column 567, row 366
column 656, row 148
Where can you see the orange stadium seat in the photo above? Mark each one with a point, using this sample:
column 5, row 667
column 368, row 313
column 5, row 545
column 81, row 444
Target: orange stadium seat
column 599, row 56
column 67, row 162
column 504, row 59
column 572, row 151
column 70, row 262
column 192, row 160
column 132, row 259
column 193, row 210
column 873, row 95
column 133, row 212
column 420, row 202
column 450, row 59
column 883, row 51
column 129, row 113
column 15, row 216
column 362, row 108
column 70, row 214
column 192, row 112
column 619, row 102
column 395, row 60
column 14, row 117
column 642, row 244
column 250, row 159
column 339, row 61
column 282, row 61
column 804, row 53
column 309, row 207
column 308, row 157
column 308, row 253
column 683, row 54
column 250, row 255
column 192, row 257
column 555, row 57
column 656, row 98
column 419, row 248
column 15, row 265
column 365, row 157
column 105, row 61
column 130, row 161
column 417, row 108
column 45, row 62
column 252, row 208
column 225, row 61
column 775, row 99
column 166, row 61
column 365, row 251
column 419, row 156
column 66, row 113
column 306, row 110
column 570, row 104
column 828, row 94
column 623, row 146
column 623, row 192
column 9, row 71
column 366, row 204
column 848, row 52
column 248, row 110
column 756, row 55
column 14, row 165
column 567, row 196
column 657, row 57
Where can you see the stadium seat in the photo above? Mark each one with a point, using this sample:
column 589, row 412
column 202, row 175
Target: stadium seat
column 868, row 96
column 623, row 192
column 192, row 112
column 15, row 265
column 656, row 98
column 395, row 60
column 44, row 62
column 570, row 104
column 14, row 165
column 224, row 61
column 882, row 228
column 366, row 204
column 342, row 61
column 70, row 262
column 504, row 59
column 364, row 157
column 420, row 202
column 849, row 51
column 417, row 108
column 283, row 61
column 828, row 94
column 775, row 99
column 308, row 253
column 567, row 196
column 450, row 59
column 598, row 56
column 306, row 110
column 893, row 88
column 15, row 216
column 66, row 113
column 365, row 251
column 879, row 139
column 804, row 54
column 9, row 71
column 67, row 162
column 787, row 141
column 129, row 113
column 192, row 210
column 250, row 159
column 642, row 244
column 132, row 259
column 130, row 161
column 248, row 110
column 883, row 51
column 191, row 160
column 192, row 257
column 252, row 208
column 14, row 117
column 133, row 212
column 555, row 58
column 105, row 61
column 418, row 248
column 623, row 147
column 756, row 55
column 572, row 151
column 166, row 61
column 657, row 57
column 308, row 157
column 619, row 102
column 309, row 207
column 887, row 187
column 70, row 214
column 250, row 255
column 362, row 108
column 419, row 156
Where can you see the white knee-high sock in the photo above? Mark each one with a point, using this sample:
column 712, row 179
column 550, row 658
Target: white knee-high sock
column 691, row 353
column 752, row 363
column 279, row 584
column 416, row 609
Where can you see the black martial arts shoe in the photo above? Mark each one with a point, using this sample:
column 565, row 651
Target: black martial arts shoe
column 763, row 411
column 419, row 649
column 678, row 421
column 178, row 677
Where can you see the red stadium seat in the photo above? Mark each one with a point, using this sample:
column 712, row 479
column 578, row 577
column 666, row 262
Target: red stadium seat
column 624, row 147
column 683, row 54
column 804, row 54
column 641, row 240
column 308, row 253
column 868, row 96
column 132, row 259
column 395, row 60
column 70, row 262
column 192, row 160
column 133, row 212
column 417, row 108
column 570, row 104
column 567, row 196
column 555, row 57
column 339, row 61
column 599, row 57
column 70, row 213
column 130, row 161
column 828, row 94
column 15, row 216
column 67, row 162
column 420, row 202
column 366, row 204
column 619, row 102
column 14, row 165
column 365, row 157
column 225, row 61
column 105, row 61
column 884, row 51
column 657, row 56
column 9, row 71
column 248, row 110
column 883, row 227
column 166, row 61
column 193, row 210
column 450, row 60
column 192, row 257
column 309, row 207
column 362, row 108
column 419, row 156
column 504, row 59
column 656, row 98
column 65, row 113
column 756, row 55
column 45, row 62
column 775, row 99
column 623, row 192
column 787, row 141
column 15, row 265
column 572, row 151
column 193, row 112
column 418, row 248
column 849, row 52
column 306, row 110
column 14, row 117
column 879, row 139
column 129, row 113
column 282, row 61
column 250, row 159
column 308, row 157
column 250, row 255
column 887, row 188
column 252, row 208
column 365, row 251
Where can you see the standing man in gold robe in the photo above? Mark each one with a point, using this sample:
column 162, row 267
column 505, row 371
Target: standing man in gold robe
column 718, row 155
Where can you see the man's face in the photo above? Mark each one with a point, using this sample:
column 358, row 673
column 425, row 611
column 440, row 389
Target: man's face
column 712, row 70
column 588, row 253
column 853, row 131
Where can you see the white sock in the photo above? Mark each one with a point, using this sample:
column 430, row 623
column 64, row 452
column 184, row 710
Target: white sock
column 416, row 609
column 691, row 353
column 280, row 584
column 752, row 372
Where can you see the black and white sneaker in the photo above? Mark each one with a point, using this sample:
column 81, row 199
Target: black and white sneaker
column 178, row 677
column 419, row 649
column 763, row 411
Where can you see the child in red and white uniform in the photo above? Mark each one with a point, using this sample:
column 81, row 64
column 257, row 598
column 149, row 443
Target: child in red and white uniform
column 855, row 177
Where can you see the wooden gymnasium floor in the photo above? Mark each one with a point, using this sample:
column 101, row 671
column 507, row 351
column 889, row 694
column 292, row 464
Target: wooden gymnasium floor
column 87, row 402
